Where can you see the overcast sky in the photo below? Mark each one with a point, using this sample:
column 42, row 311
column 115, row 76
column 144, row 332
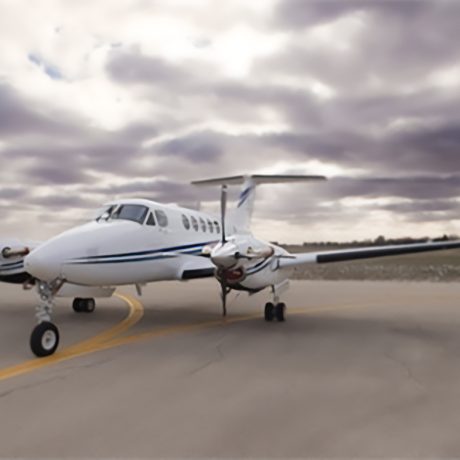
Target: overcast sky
column 113, row 98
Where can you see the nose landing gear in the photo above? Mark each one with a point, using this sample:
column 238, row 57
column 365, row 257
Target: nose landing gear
column 44, row 339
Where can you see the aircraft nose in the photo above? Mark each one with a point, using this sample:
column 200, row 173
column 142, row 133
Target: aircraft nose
column 41, row 266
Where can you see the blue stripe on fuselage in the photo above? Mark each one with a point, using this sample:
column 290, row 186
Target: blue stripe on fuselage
column 141, row 256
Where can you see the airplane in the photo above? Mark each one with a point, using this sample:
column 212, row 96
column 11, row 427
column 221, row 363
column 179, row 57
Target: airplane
column 138, row 241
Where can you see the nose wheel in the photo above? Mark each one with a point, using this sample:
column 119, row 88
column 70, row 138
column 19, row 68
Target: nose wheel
column 44, row 339
column 84, row 305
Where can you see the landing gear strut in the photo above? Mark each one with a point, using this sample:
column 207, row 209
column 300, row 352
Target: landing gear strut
column 44, row 339
column 84, row 305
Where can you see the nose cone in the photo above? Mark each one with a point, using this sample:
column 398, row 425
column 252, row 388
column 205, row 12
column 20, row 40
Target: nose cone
column 42, row 266
column 224, row 255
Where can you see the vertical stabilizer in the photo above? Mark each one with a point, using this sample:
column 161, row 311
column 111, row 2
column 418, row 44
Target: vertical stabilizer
column 242, row 214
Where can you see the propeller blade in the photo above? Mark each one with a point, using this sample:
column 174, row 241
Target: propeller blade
column 223, row 210
column 224, row 293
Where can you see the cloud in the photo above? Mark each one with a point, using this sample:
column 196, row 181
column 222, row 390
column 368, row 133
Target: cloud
column 51, row 70
column 133, row 67
column 146, row 96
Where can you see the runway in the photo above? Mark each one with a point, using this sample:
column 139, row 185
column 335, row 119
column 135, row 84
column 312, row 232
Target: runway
column 359, row 369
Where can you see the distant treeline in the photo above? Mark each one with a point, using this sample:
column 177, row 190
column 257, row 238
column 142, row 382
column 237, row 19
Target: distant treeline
column 380, row 241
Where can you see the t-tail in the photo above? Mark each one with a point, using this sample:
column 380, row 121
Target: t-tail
column 242, row 214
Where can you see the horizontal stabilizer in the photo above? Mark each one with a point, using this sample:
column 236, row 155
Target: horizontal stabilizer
column 258, row 179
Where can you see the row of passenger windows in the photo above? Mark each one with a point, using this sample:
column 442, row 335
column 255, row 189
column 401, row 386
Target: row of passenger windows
column 204, row 225
column 137, row 213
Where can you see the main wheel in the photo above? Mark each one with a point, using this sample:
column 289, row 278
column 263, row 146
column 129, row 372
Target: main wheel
column 77, row 305
column 280, row 312
column 89, row 305
column 84, row 305
column 44, row 339
column 269, row 311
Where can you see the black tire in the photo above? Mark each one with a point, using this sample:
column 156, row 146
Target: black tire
column 280, row 312
column 89, row 305
column 44, row 339
column 77, row 305
column 269, row 312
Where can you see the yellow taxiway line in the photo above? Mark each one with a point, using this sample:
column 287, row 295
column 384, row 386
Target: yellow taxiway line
column 136, row 311
column 109, row 339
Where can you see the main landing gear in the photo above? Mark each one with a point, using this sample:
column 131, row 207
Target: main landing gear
column 276, row 309
column 44, row 339
column 83, row 305
column 277, row 312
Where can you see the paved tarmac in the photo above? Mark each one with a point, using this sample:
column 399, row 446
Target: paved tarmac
column 359, row 369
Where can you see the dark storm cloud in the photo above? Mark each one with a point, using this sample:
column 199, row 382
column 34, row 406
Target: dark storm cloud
column 50, row 175
column 18, row 118
column 10, row 193
column 396, row 43
column 132, row 67
column 196, row 148
column 304, row 13
column 417, row 188
column 299, row 106
column 64, row 202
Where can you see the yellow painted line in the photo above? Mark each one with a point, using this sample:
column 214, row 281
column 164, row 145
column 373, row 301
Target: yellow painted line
column 136, row 311
column 185, row 328
column 108, row 339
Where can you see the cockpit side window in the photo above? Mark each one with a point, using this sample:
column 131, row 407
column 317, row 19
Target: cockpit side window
column 105, row 213
column 151, row 220
column 133, row 212
column 162, row 218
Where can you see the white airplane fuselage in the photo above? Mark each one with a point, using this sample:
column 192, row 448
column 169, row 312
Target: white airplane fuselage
column 116, row 252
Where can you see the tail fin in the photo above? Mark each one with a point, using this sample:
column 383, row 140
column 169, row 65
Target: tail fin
column 241, row 216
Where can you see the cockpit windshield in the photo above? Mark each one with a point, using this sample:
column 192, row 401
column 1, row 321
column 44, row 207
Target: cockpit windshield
column 133, row 212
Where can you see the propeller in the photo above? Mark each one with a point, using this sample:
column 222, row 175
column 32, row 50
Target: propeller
column 223, row 211
column 223, row 282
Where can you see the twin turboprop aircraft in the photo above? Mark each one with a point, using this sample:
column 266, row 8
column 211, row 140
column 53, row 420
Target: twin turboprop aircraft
column 136, row 241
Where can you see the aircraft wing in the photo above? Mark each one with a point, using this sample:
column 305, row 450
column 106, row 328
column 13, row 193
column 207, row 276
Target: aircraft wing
column 365, row 253
column 195, row 268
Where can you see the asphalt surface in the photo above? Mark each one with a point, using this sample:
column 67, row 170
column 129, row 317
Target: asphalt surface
column 359, row 369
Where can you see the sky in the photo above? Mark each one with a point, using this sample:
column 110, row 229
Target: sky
column 136, row 98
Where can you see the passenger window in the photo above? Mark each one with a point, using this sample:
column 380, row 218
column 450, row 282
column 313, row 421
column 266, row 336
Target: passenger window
column 216, row 224
column 203, row 224
column 162, row 218
column 194, row 223
column 211, row 228
column 151, row 220
column 186, row 222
